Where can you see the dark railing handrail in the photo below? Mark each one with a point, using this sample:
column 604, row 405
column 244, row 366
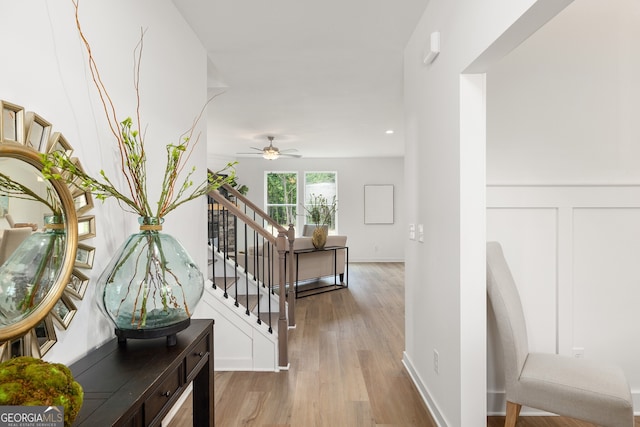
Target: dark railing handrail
column 279, row 241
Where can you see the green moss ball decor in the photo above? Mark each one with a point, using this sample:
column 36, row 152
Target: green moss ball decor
column 27, row 381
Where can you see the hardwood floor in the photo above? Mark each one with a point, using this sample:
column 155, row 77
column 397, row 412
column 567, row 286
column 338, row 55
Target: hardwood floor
column 346, row 364
column 345, row 357
column 346, row 369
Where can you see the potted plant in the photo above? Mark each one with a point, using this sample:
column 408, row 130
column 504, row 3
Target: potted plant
column 241, row 188
column 320, row 212
column 233, row 182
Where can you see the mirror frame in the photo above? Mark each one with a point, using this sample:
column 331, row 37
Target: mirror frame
column 23, row 334
column 19, row 328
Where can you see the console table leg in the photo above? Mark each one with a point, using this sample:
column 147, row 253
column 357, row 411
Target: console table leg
column 203, row 398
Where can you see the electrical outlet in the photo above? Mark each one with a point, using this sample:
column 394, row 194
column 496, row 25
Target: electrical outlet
column 578, row 352
column 436, row 361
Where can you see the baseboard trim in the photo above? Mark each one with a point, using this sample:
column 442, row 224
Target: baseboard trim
column 424, row 391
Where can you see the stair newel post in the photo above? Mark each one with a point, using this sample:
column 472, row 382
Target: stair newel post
column 291, row 236
column 283, row 351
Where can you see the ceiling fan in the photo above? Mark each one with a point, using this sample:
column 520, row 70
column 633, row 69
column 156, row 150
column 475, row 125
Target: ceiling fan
column 271, row 153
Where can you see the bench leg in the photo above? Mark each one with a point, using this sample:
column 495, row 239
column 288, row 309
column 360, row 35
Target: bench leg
column 513, row 410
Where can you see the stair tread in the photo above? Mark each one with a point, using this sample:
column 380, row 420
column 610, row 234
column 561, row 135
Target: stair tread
column 252, row 301
column 270, row 319
column 220, row 281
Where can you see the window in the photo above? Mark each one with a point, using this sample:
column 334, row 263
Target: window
column 282, row 202
column 282, row 197
column 321, row 184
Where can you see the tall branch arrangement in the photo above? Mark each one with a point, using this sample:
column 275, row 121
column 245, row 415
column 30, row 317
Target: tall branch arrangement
column 17, row 190
column 133, row 158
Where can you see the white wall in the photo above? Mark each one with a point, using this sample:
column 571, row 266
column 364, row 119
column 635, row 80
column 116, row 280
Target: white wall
column 24, row 210
column 563, row 107
column 367, row 242
column 445, row 280
column 563, row 195
column 44, row 70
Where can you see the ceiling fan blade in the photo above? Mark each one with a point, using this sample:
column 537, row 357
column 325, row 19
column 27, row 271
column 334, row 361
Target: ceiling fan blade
column 272, row 152
column 280, row 154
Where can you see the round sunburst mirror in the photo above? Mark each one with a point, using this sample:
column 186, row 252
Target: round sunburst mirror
column 42, row 224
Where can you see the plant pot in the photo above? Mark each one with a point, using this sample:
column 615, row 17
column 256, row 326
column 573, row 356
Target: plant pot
column 319, row 237
column 151, row 285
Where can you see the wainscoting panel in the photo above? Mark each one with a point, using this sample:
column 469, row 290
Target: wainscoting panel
column 525, row 235
column 574, row 252
column 606, row 286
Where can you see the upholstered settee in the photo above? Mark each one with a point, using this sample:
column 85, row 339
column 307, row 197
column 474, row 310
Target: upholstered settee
column 311, row 265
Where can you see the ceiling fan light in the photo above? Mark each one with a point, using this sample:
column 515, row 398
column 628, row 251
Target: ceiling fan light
column 270, row 154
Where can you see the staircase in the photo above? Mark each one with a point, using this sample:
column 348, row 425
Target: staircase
column 252, row 316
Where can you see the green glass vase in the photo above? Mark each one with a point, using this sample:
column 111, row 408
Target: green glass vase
column 151, row 285
column 31, row 271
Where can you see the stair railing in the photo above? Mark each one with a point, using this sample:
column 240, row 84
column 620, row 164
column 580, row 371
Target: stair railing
column 260, row 216
column 251, row 242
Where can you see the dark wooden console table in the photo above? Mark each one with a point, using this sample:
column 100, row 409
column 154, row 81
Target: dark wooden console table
column 320, row 288
column 138, row 382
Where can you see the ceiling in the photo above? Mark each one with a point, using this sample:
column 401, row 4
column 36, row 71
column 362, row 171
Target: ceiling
column 324, row 78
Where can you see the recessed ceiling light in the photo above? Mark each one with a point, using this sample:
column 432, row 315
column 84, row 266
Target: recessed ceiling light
column 389, row 131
